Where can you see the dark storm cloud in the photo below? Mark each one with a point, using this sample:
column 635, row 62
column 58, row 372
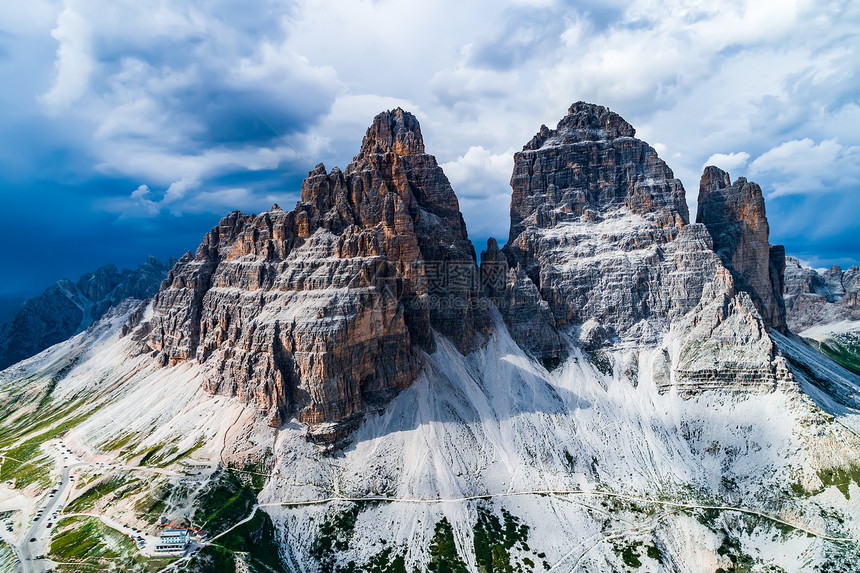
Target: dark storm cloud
column 130, row 127
column 230, row 115
column 198, row 102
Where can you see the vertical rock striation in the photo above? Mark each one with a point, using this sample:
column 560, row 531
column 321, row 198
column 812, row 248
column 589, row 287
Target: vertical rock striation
column 601, row 251
column 322, row 312
column 735, row 216
column 599, row 229
column 318, row 311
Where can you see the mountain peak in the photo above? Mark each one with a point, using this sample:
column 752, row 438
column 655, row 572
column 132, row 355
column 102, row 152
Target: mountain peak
column 713, row 178
column 346, row 309
column 589, row 166
column 588, row 116
column 584, row 122
column 394, row 131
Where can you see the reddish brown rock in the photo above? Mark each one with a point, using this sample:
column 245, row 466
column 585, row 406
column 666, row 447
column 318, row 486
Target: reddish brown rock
column 735, row 216
column 319, row 312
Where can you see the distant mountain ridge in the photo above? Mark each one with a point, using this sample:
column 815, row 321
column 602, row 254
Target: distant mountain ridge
column 67, row 308
column 813, row 298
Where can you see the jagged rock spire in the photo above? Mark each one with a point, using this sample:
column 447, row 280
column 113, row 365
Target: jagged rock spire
column 394, row 131
column 734, row 214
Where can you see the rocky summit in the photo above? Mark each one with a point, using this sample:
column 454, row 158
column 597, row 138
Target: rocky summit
column 323, row 312
column 319, row 312
column 735, row 216
column 601, row 249
column 590, row 205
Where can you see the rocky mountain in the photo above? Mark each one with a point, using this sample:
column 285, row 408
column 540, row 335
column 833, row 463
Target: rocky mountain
column 321, row 311
column 340, row 388
column 67, row 307
column 824, row 308
column 814, row 299
column 601, row 249
column 735, row 217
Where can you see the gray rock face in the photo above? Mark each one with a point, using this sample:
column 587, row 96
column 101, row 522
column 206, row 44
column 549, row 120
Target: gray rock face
column 67, row 307
column 315, row 311
column 528, row 316
column 734, row 214
column 589, row 164
column 593, row 213
column 601, row 250
column 812, row 298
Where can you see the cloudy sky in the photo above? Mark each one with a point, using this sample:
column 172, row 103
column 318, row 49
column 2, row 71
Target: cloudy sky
column 131, row 127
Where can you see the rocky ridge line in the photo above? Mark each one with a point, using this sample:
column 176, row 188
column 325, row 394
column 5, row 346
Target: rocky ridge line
column 67, row 308
column 812, row 298
column 322, row 312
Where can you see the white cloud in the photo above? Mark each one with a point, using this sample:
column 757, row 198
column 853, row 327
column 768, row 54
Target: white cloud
column 141, row 204
column 728, row 161
column 178, row 189
column 479, row 169
column 144, row 203
column 222, row 200
column 165, row 168
column 797, row 156
column 481, row 181
column 803, row 167
column 176, row 93
column 74, row 65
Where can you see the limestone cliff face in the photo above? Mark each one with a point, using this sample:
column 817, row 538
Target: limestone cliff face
column 601, row 252
column 599, row 228
column 590, row 163
column 527, row 315
column 322, row 312
column 735, row 216
column 318, row 312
